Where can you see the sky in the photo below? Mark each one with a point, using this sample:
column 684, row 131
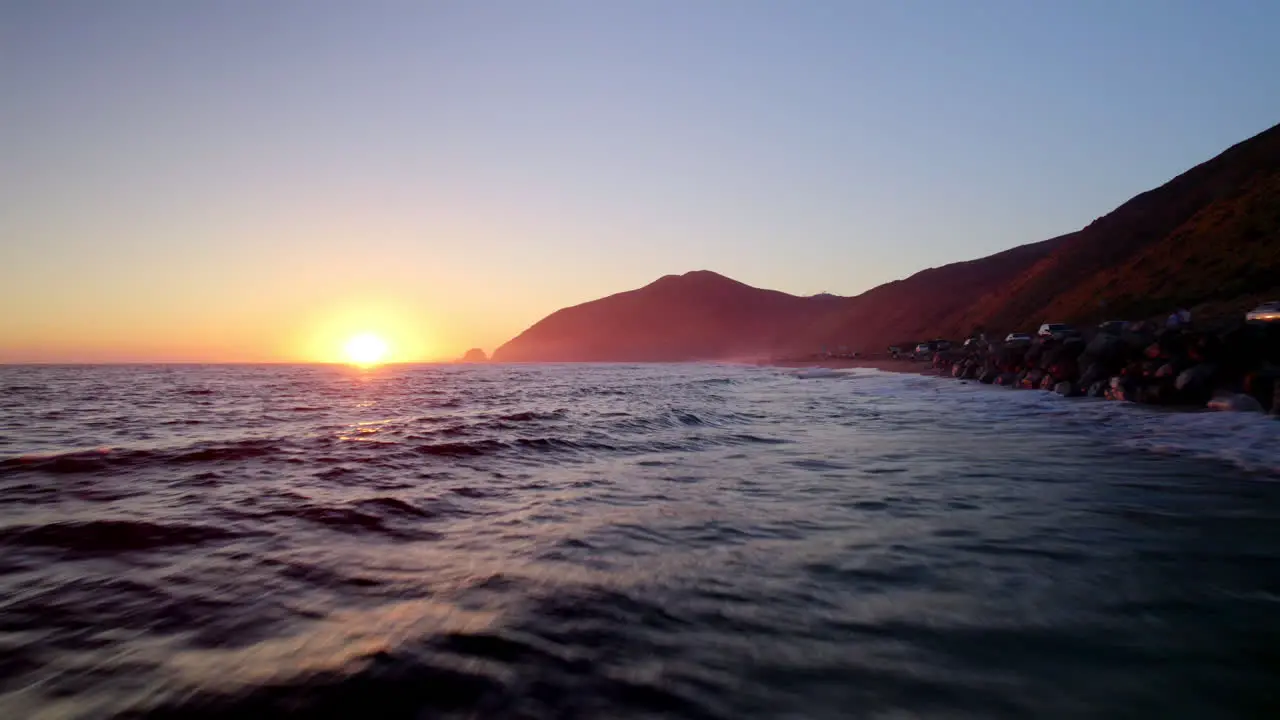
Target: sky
column 237, row 180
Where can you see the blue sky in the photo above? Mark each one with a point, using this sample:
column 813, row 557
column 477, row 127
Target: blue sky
column 216, row 179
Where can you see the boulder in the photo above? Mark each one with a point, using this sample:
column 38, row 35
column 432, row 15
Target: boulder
column 1106, row 350
column 1074, row 347
column 1239, row 351
column 1122, row 388
column 1034, row 353
column 1261, row 385
column 1098, row 388
column 1049, row 355
column 1137, row 338
column 1193, row 377
column 1157, row 393
column 1048, row 382
column 1093, row 373
column 1204, row 347
column 1194, row 383
column 1065, row 368
column 1009, row 357
column 988, row 376
column 1234, row 402
column 1171, row 344
column 1065, row 389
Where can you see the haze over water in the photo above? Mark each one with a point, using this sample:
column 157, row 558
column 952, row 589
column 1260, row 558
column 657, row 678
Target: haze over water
column 625, row 541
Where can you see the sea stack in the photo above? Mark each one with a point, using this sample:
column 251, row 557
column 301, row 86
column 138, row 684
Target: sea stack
column 475, row 355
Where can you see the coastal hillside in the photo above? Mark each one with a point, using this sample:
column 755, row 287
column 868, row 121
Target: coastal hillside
column 1208, row 240
column 931, row 303
column 1209, row 236
column 696, row 316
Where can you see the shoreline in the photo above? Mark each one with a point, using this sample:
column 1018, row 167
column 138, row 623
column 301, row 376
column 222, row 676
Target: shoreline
column 1236, row 370
column 883, row 364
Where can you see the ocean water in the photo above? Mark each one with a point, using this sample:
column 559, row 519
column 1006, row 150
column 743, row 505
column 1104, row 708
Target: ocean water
column 692, row 541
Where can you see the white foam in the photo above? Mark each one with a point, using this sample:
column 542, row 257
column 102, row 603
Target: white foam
column 812, row 373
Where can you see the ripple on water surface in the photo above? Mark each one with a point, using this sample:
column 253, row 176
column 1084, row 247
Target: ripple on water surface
column 625, row 541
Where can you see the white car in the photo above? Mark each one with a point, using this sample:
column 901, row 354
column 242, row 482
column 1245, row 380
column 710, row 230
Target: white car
column 1017, row 338
column 1054, row 329
column 1266, row 312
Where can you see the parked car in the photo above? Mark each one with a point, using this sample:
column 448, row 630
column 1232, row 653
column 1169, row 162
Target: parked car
column 1265, row 313
column 1055, row 330
column 924, row 349
column 1013, row 338
column 940, row 345
column 895, row 352
column 1113, row 327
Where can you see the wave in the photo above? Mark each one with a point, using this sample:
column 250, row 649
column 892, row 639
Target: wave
column 813, row 373
column 392, row 519
column 461, row 449
column 531, row 416
column 394, row 506
column 572, row 654
column 690, row 428
column 95, row 537
column 105, row 459
column 559, row 544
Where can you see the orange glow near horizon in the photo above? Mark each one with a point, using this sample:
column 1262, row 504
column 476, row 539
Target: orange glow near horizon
column 325, row 332
column 365, row 333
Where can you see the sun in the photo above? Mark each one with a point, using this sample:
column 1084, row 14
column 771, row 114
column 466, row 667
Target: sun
column 365, row 349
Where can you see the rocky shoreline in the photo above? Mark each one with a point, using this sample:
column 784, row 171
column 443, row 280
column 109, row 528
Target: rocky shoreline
column 1235, row 369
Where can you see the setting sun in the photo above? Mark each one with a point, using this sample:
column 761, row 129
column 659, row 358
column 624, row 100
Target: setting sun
column 364, row 331
column 365, row 349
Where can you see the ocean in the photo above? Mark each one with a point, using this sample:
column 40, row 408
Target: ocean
column 610, row 541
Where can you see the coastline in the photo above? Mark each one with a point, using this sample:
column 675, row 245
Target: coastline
column 883, row 364
column 1178, row 367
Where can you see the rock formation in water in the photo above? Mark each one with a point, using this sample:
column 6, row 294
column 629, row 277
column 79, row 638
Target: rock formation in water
column 474, row 355
column 1208, row 240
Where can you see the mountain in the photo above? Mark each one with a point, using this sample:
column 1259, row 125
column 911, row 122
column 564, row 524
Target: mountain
column 1208, row 240
column 1212, row 234
column 696, row 316
column 931, row 303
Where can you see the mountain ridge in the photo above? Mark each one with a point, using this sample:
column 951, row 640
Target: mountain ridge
column 1209, row 237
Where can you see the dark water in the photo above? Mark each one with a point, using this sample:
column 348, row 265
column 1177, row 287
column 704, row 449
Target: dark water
column 663, row 541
